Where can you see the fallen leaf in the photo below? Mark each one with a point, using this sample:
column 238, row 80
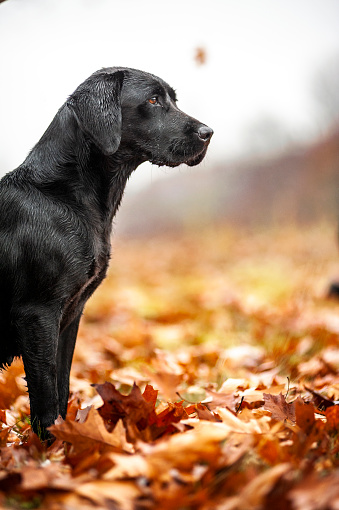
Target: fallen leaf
column 10, row 390
column 102, row 493
column 135, row 408
column 332, row 419
column 316, row 493
column 279, row 408
column 47, row 477
column 91, row 432
column 252, row 497
column 322, row 403
column 304, row 415
column 217, row 399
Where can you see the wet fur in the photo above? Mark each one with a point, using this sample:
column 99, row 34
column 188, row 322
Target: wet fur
column 56, row 212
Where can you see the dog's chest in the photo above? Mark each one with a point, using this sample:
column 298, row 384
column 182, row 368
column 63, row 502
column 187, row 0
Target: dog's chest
column 77, row 300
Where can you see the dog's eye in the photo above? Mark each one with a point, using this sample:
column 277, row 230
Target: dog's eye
column 153, row 100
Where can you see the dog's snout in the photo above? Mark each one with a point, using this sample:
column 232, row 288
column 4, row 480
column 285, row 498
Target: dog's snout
column 205, row 133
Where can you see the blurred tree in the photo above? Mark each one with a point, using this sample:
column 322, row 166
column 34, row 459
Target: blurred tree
column 326, row 92
column 267, row 136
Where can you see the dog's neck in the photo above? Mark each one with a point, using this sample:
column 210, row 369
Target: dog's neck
column 77, row 173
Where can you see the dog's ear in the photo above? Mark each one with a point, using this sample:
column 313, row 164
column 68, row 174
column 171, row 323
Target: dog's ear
column 96, row 104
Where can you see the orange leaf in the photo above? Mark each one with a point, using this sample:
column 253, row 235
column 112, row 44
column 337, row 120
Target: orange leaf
column 304, row 415
column 269, row 450
column 150, row 394
column 200, row 56
column 3, row 418
column 91, row 432
column 101, row 492
column 50, row 476
column 332, row 417
column 9, row 388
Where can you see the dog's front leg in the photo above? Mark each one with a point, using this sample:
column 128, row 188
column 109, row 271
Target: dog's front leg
column 64, row 360
column 37, row 334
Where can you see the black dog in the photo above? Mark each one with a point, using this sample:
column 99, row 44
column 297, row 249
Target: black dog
column 56, row 212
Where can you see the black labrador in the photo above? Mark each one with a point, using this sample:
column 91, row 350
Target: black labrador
column 56, row 212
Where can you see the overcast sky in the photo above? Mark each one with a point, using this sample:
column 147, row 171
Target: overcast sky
column 262, row 56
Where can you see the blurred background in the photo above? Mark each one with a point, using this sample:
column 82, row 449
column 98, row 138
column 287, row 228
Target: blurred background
column 264, row 75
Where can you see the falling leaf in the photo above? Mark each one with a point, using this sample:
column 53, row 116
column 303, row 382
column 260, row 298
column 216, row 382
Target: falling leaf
column 200, row 56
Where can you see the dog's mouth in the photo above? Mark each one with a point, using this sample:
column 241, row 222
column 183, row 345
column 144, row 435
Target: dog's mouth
column 177, row 160
column 197, row 159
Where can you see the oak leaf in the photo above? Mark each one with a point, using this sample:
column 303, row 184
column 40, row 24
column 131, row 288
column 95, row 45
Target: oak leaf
column 137, row 411
column 91, row 433
column 135, row 407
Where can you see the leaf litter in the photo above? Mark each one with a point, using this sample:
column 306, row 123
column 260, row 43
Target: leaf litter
column 205, row 376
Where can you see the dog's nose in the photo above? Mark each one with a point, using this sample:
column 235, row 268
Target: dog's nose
column 205, row 133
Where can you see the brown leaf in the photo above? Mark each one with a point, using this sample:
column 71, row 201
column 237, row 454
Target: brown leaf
column 4, row 436
column 101, row 492
column 316, row 493
column 166, row 381
column 50, row 476
column 216, row 399
column 90, row 433
column 279, row 408
column 182, row 451
column 322, row 403
column 135, row 408
column 253, row 495
column 204, row 413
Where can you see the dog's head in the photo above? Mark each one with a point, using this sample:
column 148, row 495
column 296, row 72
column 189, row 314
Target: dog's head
column 134, row 112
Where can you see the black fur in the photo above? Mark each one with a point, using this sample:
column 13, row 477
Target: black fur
column 56, row 212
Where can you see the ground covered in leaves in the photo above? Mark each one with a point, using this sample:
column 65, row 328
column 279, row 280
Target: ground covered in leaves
column 206, row 376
